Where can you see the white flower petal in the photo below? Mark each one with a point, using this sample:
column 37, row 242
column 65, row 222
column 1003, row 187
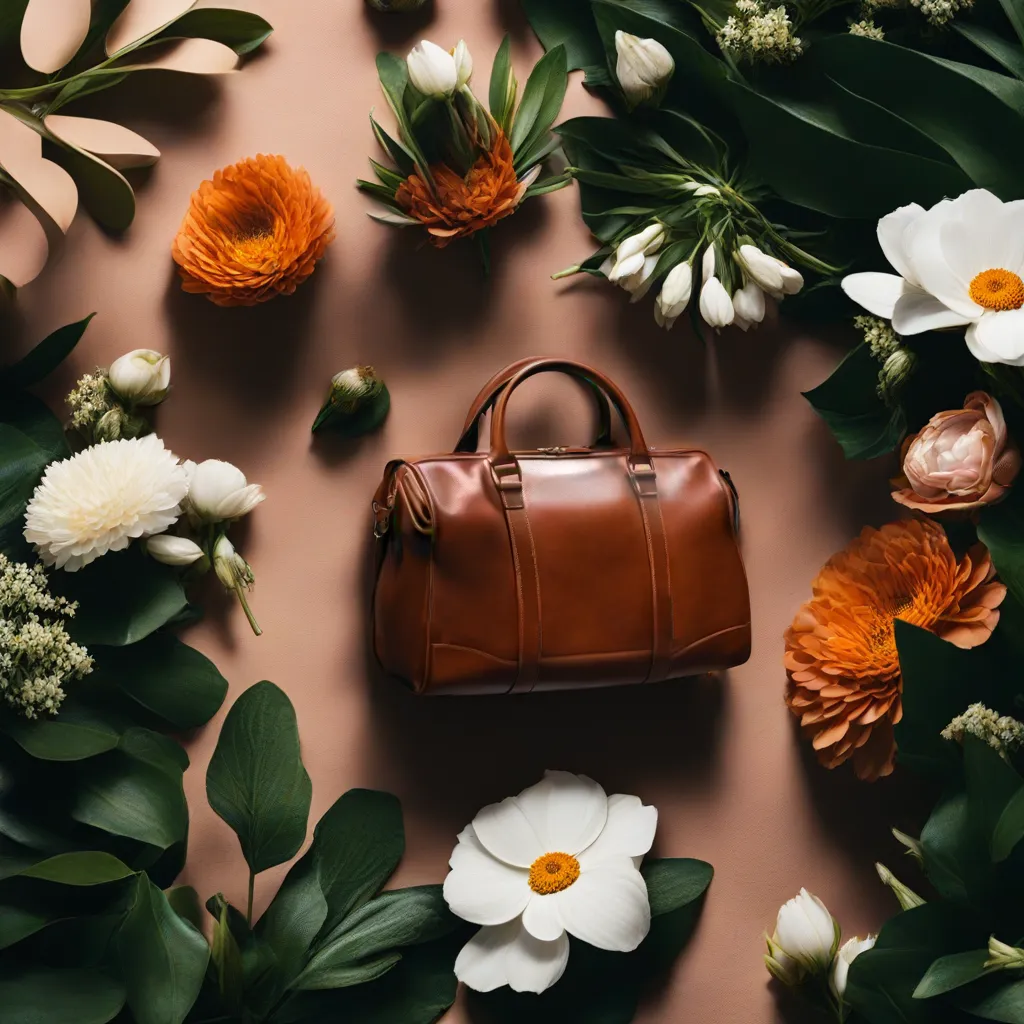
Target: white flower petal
column 998, row 338
column 480, row 888
column 607, row 906
column 876, row 292
column 890, row 232
column 629, row 831
column 567, row 812
column 917, row 311
column 506, row 833
column 923, row 238
column 541, row 918
column 508, row 955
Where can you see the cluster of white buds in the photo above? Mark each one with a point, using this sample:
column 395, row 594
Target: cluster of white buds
column 759, row 34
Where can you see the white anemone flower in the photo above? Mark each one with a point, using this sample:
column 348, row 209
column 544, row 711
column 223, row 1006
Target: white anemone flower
column 103, row 498
column 560, row 859
column 961, row 263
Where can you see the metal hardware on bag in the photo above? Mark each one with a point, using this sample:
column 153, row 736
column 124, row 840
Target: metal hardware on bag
column 645, row 480
column 556, row 450
column 382, row 523
column 509, row 481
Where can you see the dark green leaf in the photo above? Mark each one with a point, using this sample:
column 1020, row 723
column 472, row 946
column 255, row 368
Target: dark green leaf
column 952, row 971
column 83, row 867
column 256, row 781
column 999, row 997
column 346, row 975
column 184, row 901
column 995, row 46
column 164, row 958
column 22, row 462
column 675, row 882
column 404, row 160
column 502, row 91
column 1009, row 830
column 992, row 783
column 848, row 402
column 43, row 995
column 104, row 191
column 394, row 79
column 73, row 735
column 241, row 30
column 45, row 357
column 568, row 23
column 1001, row 530
column 19, row 922
column 542, row 100
column 168, row 678
column 227, row 961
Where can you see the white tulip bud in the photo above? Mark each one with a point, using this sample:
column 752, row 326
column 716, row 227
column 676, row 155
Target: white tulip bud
column 432, row 69
column 640, row 283
column 626, row 268
column 792, row 280
column 218, row 491
column 708, row 263
column 781, row 965
column 643, row 242
column 715, row 305
column 643, row 68
column 140, row 377
column 748, row 302
column 707, row 190
column 761, row 268
column 806, row 931
column 173, row 550
column 674, row 296
column 463, row 64
column 1003, row 956
column 848, row 952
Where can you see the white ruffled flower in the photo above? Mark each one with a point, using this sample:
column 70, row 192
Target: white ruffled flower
column 643, row 68
column 141, row 377
column 748, row 304
column 218, row 490
column 103, row 498
column 848, row 952
column 960, row 263
column 171, row 550
column 560, row 859
column 674, row 296
column 806, row 931
column 437, row 72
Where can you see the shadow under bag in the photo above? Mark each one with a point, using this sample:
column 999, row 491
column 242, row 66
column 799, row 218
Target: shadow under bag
column 505, row 572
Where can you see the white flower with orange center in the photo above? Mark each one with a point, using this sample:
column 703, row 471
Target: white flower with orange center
column 560, row 859
column 959, row 263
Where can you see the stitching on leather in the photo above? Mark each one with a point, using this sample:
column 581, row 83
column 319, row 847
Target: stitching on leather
column 473, row 650
column 654, row 580
column 668, row 577
column 711, row 636
column 536, row 577
column 519, row 592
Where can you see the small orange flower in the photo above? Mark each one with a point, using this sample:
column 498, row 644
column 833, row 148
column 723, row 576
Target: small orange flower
column 464, row 205
column 845, row 684
column 255, row 231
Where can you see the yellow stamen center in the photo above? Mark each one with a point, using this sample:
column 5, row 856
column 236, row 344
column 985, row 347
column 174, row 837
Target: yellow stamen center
column 255, row 250
column 553, row 872
column 998, row 289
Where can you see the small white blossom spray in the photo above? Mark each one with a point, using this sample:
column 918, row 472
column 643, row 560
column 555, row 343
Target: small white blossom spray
column 759, row 34
column 1001, row 732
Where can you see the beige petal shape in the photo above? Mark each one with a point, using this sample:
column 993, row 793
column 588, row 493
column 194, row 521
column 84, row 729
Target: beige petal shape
column 194, row 56
column 50, row 186
column 17, row 140
column 52, row 31
column 23, row 245
column 142, row 18
column 119, row 146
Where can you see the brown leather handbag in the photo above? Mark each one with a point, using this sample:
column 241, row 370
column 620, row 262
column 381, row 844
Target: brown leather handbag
column 505, row 572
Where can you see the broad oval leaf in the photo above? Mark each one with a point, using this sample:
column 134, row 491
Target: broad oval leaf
column 569, row 23
column 52, row 32
column 104, row 191
column 80, row 867
column 42, row 360
column 951, row 972
column 164, row 958
column 1009, row 830
column 256, row 780
column 119, row 146
column 74, row 734
column 1001, row 530
column 346, row 975
column 142, row 18
column 243, row 31
column 19, row 922
column 33, row 994
column 673, row 883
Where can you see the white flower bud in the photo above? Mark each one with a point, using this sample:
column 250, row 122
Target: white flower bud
column 805, row 931
column 173, row 550
column 463, row 64
column 218, row 490
column 231, row 568
column 626, row 268
column 708, row 263
column 848, row 952
column 715, row 305
column 781, row 965
column 643, row 242
column 140, row 377
column 433, row 70
column 643, row 68
column 640, row 283
column 792, row 280
column 674, row 296
column 748, row 302
column 707, row 190
column 761, row 268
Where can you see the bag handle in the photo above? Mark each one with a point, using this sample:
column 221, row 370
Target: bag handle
column 470, row 438
column 500, row 456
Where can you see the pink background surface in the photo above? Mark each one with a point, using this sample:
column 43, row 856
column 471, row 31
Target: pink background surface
column 719, row 758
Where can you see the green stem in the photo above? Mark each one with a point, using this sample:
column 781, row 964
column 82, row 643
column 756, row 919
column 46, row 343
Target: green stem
column 252, row 889
column 240, row 592
column 568, row 272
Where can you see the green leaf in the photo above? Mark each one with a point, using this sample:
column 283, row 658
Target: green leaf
column 503, row 87
column 404, row 917
column 167, row 677
column 951, row 972
column 394, row 79
column 1009, row 830
column 22, row 463
column 33, row 418
column 243, row 31
column 164, row 958
column 542, row 100
column 848, row 402
column 568, row 23
column 256, row 781
column 184, row 901
column 1000, row 997
column 82, row 867
column 346, row 975
column 104, row 191
column 1001, row 530
column 227, row 961
column 73, row 735
column 992, row 783
column 123, row 597
column 675, row 882
column 404, row 160
column 45, row 357
column 995, row 46
column 18, row 922
column 44, row 995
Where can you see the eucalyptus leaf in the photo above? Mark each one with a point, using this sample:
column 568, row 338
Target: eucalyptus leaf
column 256, row 781
column 33, row 994
column 45, row 357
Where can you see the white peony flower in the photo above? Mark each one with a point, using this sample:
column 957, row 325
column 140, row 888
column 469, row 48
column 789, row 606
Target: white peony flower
column 141, row 377
column 643, row 68
column 674, row 296
column 171, row 550
column 218, row 490
column 103, row 498
column 848, row 952
column 560, row 859
column 805, row 931
column 434, row 71
column 961, row 263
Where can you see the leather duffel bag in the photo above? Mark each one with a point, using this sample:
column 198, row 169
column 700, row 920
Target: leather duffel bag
column 505, row 572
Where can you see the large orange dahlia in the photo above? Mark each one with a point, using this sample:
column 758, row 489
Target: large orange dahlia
column 461, row 205
column 844, row 671
column 255, row 231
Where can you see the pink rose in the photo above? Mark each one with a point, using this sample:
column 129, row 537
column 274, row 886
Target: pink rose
column 962, row 459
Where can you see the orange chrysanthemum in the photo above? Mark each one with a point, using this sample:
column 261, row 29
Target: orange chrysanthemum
column 254, row 232
column 844, row 670
column 464, row 205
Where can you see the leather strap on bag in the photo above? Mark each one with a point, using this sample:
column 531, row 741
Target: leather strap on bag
column 507, row 477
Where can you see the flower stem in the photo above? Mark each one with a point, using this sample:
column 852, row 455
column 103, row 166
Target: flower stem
column 240, row 591
column 568, row 272
column 252, row 889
